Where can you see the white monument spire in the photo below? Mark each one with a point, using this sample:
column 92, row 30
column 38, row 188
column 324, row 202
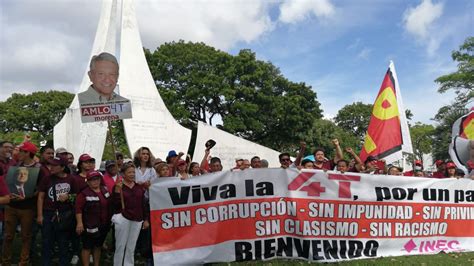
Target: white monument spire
column 70, row 132
column 152, row 124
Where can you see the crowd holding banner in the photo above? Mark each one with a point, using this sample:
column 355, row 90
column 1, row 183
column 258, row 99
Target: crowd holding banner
column 174, row 213
column 314, row 215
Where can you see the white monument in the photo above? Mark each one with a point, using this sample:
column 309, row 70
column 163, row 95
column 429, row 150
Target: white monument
column 152, row 124
column 70, row 132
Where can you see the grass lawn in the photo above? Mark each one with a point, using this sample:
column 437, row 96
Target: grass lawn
column 466, row 258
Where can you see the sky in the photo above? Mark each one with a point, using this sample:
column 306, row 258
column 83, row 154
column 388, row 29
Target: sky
column 341, row 48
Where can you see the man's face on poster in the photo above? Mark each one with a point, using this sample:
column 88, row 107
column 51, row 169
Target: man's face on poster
column 104, row 77
column 22, row 175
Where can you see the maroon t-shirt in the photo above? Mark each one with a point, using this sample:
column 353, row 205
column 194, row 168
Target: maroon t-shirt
column 409, row 173
column 4, row 165
column 136, row 206
column 3, row 192
column 353, row 169
column 62, row 186
column 439, row 174
column 104, row 205
column 80, row 182
column 327, row 165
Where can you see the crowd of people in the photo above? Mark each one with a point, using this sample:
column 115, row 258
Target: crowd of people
column 76, row 205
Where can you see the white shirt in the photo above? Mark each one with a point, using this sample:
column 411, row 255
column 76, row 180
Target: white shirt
column 148, row 175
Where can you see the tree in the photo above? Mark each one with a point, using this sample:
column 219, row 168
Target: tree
column 421, row 139
column 354, row 118
column 36, row 112
column 461, row 81
column 322, row 133
column 251, row 98
column 120, row 141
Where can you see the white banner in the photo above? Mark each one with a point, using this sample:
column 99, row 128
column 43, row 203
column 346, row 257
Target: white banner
column 98, row 112
column 262, row 214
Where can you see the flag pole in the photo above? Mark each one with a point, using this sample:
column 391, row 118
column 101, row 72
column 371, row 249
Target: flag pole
column 114, row 150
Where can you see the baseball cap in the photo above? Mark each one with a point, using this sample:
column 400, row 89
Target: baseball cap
column 85, row 157
column 93, row 175
column 239, row 159
column 109, row 163
column 450, row 165
column 60, row 161
column 418, row 162
column 470, row 164
column 28, row 146
column 181, row 162
column 172, row 153
column 60, row 150
column 439, row 162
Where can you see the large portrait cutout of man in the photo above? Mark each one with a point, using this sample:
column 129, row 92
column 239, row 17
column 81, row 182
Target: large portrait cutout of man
column 21, row 181
column 100, row 102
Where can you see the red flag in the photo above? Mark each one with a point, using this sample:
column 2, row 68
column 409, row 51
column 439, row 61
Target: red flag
column 384, row 134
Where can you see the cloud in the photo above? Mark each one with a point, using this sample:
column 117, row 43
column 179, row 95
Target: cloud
column 364, row 53
column 221, row 24
column 419, row 21
column 295, row 11
column 354, row 45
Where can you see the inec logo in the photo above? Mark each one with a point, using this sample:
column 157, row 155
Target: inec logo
column 431, row 246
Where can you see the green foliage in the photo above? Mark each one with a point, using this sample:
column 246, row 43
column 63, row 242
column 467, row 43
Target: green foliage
column 17, row 137
column 120, row 142
column 354, row 118
column 461, row 81
column 250, row 97
column 322, row 133
column 421, row 139
column 36, row 112
column 408, row 114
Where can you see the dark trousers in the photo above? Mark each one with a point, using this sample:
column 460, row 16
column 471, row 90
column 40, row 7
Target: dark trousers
column 51, row 235
column 144, row 245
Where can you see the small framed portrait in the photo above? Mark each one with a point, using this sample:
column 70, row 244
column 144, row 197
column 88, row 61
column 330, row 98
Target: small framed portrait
column 22, row 180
